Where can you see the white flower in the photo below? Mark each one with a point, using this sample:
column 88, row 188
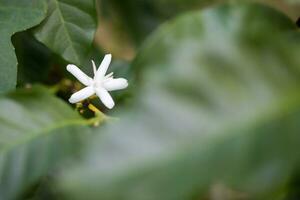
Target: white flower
column 99, row 85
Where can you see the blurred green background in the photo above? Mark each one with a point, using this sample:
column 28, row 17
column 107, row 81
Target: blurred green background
column 212, row 110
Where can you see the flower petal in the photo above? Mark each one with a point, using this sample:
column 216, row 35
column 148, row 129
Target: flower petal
column 94, row 67
column 103, row 67
column 105, row 97
column 115, row 84
column 82, row 94
column 82, row 77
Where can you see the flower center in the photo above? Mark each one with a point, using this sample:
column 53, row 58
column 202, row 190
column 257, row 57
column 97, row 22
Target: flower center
column 98, row 84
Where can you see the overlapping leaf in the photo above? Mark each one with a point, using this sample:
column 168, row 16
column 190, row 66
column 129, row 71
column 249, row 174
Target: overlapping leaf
column 37, row 132
column 219, row 103
column 140, row 18
column 69, row 28
column 15, row 15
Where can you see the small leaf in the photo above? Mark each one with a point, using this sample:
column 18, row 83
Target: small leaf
column 69, row 28
column 37, row 132
column 15, row 16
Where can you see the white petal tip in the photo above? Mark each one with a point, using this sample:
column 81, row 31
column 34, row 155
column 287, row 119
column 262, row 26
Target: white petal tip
column 108, row 57
column 70, row 67
column 126, row 84
column 110, row 106
column 72, row 101
column 123, row 83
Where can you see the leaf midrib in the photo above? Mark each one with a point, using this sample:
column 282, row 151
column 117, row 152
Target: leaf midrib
column 42, row 132
column 66, row 30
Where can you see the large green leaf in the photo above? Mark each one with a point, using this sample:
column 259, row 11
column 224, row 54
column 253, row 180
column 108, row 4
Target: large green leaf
column 219, row 104
column 69, row 28
column 37, row 131
column 139, row 18
column 15, row 15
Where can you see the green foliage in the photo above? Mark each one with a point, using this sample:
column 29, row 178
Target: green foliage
column 15, row 15
column 37, row 131
column 213, row 100
column 34, row 59
column 69, row 28
column 138, row 18
column 219, row 103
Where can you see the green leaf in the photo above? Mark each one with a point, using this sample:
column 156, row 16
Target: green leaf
column 219, row 104
column 69, row 28
column 34, row 59
column 15, row 16
column 37, row 132
column 139, row 18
